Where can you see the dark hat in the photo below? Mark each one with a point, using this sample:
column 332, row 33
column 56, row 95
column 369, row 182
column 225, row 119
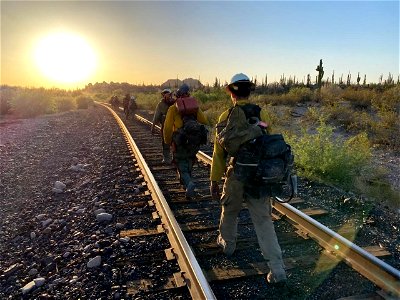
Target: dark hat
column 183, row 90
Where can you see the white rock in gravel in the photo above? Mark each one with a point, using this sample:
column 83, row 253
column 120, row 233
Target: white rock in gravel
column 33, row 272
column 47, row 222
column 66, row 254
column 87, row 248
column 74, row 279
column 39, row 281
column 74, row 168
column 125, row 239
column 41, row 217
column 104, row 217
column 59, row 185
column 94, row 262
column 28, row 287
column 119, row 225
column 57, row 191
column 33, row 235
column 119, row 201
column 78, row 168
column 99, row 211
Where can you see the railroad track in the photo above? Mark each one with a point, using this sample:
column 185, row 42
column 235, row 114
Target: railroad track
column 205, row 273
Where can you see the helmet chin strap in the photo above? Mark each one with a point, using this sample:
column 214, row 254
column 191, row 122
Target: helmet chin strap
column 233, row 98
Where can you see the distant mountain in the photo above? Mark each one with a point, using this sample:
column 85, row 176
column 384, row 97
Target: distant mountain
column 176, row 83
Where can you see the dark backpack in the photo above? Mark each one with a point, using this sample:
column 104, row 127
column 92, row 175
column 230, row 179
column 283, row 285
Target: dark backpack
column 264, row 163
column 192, row 134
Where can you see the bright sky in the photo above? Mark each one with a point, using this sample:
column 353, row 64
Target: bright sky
column 150, row 42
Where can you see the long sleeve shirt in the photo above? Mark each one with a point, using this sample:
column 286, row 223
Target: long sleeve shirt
column 219, row 157
column 160, row 113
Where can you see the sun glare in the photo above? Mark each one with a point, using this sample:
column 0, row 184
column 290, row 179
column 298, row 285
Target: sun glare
column 65, row 57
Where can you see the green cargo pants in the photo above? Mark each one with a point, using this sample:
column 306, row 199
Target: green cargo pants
column 184, row 164
column 260, row 212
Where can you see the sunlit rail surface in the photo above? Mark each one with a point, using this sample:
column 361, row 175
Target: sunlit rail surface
column 336, row 247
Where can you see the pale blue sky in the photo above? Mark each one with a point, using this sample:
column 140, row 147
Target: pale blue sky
column 153, row 41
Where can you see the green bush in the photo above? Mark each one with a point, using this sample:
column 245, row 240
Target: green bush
column 389, row 100
column 340, row 113
column 33, row 102
column 362, row 121
column 359, row 98
column 4, row 105
column 387, row 126
column 83, row 102
column 300, row 94
column 322, row 156
column 65, row 104
column 147, row 101
column 331, row 94
column 213, row 96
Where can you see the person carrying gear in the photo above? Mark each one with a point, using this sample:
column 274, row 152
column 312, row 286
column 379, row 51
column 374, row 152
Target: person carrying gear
column 132, row 106
column 235, row 191
column 159, row 118
column 183, row 154
column 125, row 103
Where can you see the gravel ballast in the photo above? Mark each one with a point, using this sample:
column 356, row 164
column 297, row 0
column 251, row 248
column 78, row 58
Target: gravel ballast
column 53, row 171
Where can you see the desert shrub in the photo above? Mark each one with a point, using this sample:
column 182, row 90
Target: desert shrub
column 147, row 101
column 340, row 114
column 359, row 98
column 65, row 104
column 101, row 97
column 300, row 94
column 213, row 96
column 275, row 120
column 294, row 96
column 4, row 105
column 362, row 121
column 386, row 129
column 322, row 156
column 33, row 102
column 389, row 100
column 83, row 102
column 6, row 95
column 331, row 94
column 313, row 115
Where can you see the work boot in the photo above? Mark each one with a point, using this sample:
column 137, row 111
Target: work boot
column 276, row 275
column 227, row 247
column 190, row 190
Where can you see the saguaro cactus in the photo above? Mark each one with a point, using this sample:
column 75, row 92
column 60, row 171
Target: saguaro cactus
column 320, row 70
column 308, row 80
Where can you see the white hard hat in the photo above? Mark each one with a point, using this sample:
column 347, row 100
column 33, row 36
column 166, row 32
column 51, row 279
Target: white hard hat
column 133, row 98
column 239, row 77
column 165, row 91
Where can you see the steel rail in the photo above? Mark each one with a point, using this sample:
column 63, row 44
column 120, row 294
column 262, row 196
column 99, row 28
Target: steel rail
column 376, row 270
column 192, row 275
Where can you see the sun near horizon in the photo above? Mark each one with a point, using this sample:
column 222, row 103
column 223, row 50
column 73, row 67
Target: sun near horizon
column 64, row 58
